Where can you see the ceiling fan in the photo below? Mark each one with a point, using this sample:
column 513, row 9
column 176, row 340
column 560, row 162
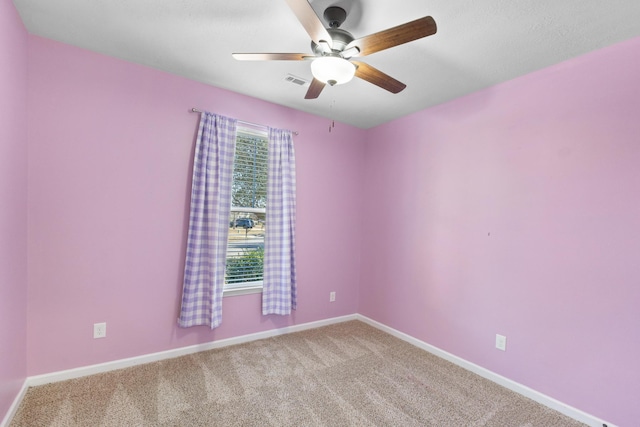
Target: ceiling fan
column 334, row 48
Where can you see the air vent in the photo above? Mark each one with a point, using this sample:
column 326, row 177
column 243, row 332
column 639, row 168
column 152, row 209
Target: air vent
column 296, row 80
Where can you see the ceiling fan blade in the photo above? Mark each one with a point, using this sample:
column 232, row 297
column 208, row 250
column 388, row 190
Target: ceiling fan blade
column 377, row 77
column 310, row 21
column 315, row 88
column 271, row 56
column 395, row 36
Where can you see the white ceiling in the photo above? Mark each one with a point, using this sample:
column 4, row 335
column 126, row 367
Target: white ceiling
column 479, row 43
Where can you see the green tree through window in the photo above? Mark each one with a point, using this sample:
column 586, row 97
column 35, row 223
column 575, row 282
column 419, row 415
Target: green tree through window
column 249, row 188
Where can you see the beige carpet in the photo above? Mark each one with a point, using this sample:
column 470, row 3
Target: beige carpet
column 348, row 374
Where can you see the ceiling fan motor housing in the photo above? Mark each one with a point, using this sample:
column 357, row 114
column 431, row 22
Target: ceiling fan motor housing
column 339, row 38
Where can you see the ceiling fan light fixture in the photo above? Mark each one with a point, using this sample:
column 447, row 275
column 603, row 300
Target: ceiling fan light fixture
column 332, row 70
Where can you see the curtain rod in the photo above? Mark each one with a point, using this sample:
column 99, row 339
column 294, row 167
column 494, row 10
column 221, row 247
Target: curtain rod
column 195, row 110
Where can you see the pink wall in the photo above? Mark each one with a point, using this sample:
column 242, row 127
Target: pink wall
column 110, row 151
column 516, row 210
column 511, row 211
column 13, row 205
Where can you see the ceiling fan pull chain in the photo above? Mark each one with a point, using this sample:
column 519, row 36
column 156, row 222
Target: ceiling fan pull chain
column 333, row 122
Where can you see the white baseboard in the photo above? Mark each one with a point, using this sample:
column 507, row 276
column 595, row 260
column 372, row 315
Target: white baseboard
column 154, row 357
column 177, row 352
column 14, row 406
column 543, row 399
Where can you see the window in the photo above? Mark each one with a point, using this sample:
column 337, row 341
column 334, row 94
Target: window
column 245, row 245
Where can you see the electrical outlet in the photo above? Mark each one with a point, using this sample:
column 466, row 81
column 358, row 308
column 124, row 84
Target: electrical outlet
column 501, row 342
column 332, row 296
column 100, row 330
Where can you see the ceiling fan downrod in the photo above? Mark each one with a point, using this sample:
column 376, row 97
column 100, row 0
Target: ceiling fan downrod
column 340, row 38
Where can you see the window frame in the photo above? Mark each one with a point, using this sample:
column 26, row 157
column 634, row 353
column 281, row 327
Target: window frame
column 249, row 287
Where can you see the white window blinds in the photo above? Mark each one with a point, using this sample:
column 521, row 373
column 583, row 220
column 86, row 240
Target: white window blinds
column 245, row 247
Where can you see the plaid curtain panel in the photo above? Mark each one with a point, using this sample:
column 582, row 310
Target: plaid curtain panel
column 279, row 283
column 208, row 222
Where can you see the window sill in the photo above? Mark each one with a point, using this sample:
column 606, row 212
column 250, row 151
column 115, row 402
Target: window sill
column 257, row 289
